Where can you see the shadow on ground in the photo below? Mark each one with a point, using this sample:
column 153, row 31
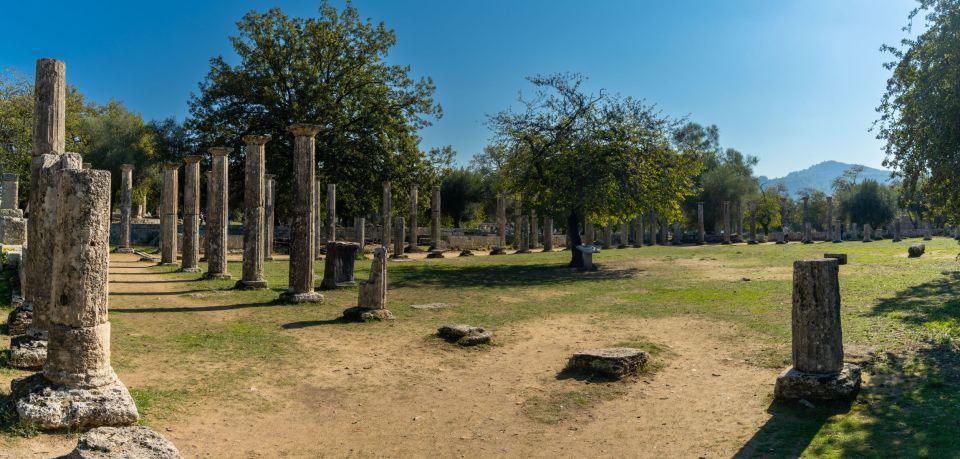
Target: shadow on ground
column 497, row 275
column 223, row 307
column 314, row 323
column 909, row 406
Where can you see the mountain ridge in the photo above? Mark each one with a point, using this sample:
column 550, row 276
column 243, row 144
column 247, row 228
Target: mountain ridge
column 820, row 176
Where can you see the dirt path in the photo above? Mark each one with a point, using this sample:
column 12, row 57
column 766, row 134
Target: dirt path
column 388, row 390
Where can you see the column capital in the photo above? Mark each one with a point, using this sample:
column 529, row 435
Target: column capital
column 220, row 151
column 256, row 139
column 304, row 130
column 192, row 159
column 171, row 166
column 126, row 167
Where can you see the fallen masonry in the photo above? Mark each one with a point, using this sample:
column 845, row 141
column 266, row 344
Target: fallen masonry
column 127, row 442
column 372, row 297
column 465, row 335
column 616, row 362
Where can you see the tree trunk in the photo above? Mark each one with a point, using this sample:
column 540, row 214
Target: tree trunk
column 573, row 230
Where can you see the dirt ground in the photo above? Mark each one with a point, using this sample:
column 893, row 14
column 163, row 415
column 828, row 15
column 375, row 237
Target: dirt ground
column 386, row 390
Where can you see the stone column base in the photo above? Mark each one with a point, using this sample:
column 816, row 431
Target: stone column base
column 250, row 285
column 136, row 441
column 210, row 275
column 466, row 253
column 361, row 314
column 190, row 270
column 435, row 254
column 303, row 297
column 793, row 384
column 517, row 252
column 19, row 320
column 51, row 406
column 27, row 352
column 497, row 251
column 124, row 249
column 168, row 264
column 399, row 256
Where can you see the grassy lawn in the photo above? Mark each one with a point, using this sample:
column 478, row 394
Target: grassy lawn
column 900, row 319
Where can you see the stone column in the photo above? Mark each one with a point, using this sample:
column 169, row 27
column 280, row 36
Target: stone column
column 867, row 233
column 517, row 231
column 783, row 222
column 78, row 386
column 664, row 230
column 624, row 235
column 607, row 235
column 837, row 232
column 638, row 229
column 126, row 201
column 677, row 234
column 208, row 210
column 332, row 211
column 435, row 219
column 359, row 231
column 653, row 227
column 753, row 222
column 524, row 235
column 269, row 204
column 191, row 214
column 701, row 233
column 11, row 191
column 502, row 219
column 301, row 273
column 807, row 233
column 726, row 222
column 547, row 234
column 168, row 215
column 318, row 227
column 50, row 110
column 740, row 219
column 13, row 227
column 588, row 235
column 253, row 203
column 896, row 230
column 218, row 219
column 387, row 215
column 399, row 237
column 829, row 218
column 927, row 233
column 534, row 230
column 818, row 371
column 412, row 246
column 806, row 223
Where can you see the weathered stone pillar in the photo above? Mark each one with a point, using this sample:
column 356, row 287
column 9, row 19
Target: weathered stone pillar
column 896, row 230
column 387, row 215
column 332, row 211
column 854, row 232
column 13, row 227
column 359, row 231
column 11, row 191
column 253, row 203
column 269, row 205
column 588, row 235
column 399, row 237
column 664, row 231
column 50, row 93
column 126, row 201
column 534, row 230
column 318, row 228
column 677, row 234
column 726, row 222
column 837, row 232
column 502, row 219
column 218, row 220
column 829, row 218
column 639, row 230
column 867, row 233
column 208, row 211
column 818, row 371
column 740, row 219
column 78, row 387
column 547, row 234
column 190, row 253
column 753, row 222
column 653, row 227
column 927, row 233
column 372, row 297
column 412, row 246
column 524, row 235
column 435, row 243
column 701, row 233
column 607, row 235
column 301, row 274
column 783, row 222
column 517, row 231
column 338, row 267
column 807, row 233
column 806, row 223
column 168, row 215
column 624, row 241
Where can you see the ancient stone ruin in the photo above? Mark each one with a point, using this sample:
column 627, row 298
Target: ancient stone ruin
column 126, row 200
column 916, row 250
column 123, row 442
column 191, row 215
column 300, row 279
column 13, row 227
column 614, row 362
column 253, row 201
column 372, row 298
column 338, row 267
column 78, row 387
column 818, row 371
column 168, row 215
column 464, row 335
column 218, row 217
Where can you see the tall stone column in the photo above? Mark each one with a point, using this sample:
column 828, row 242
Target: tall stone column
column 534, row 230
column 412, row 246
column 253, row 203
column 332, row 211
column 11, row 191
column 435, row 242
column 677, row 234
column 818, row 371
column 607, row 235
column 191, row 214
column 830, row 218
column 740, row 219
column 301, row 275
column 208, row 211
column 783, row 222
column 638, row 230
column 502, row 219
column 78, row 386
column 387, row 215
column 523, row 244
column 399, row 238
column 726, row 222
column 806, row 222
column 896, row 230
column 701, row 234
column 359, row 231
column 126, row 201
column 653, row 227
column 50, row 110
column 218, row 220
column 168, row 215
column 753, row 222
column 269, row 204
column 517, row 230
column 319, row 244
column 547, row 234
column 624, row 241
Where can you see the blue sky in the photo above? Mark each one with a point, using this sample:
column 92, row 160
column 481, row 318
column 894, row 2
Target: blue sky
column 791, row 82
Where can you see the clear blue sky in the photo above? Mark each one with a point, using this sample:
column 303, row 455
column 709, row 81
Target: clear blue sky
column 792, row 82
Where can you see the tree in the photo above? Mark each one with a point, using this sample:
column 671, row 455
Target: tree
column 768, row 207
column 921, row 105
column 869, row 202
column 462, row 194
column 333, row 71
column 117, row 136
column 590, row 157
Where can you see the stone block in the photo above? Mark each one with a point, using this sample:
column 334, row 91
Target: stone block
column 840, row 257
column 464, row 335
column 916, row 250
column 128, row 442
column 52, row 406
column 794, row 384
column 615, row 362
column 79, row 357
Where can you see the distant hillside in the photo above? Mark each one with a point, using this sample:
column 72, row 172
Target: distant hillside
column 820, row 176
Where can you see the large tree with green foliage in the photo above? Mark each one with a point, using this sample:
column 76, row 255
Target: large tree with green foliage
column 921, row 105
column 116, row 136
column 462, row 194
column 331, row 70
column 869, row 202
column 582, row 156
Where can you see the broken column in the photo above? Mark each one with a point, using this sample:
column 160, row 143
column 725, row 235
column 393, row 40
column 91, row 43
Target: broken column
column 927, row 233
column 387, row 215
column 867, row 233
column 412, row 246
column 13, row 227
column 547, row 234
column 818, row 371
column 253, row 202
column 807, row 233
column 126, row 200
column 701, row 233
column 301, row 273
column 726, row 222
column 372, row 298
column 753, row 222
column 829, row 218
column 524, row 235
column 338, row 267
column 740, row 219
column 168, row 215
column 78, row 387
column 806, row 224
column 218, row 220
column 435, row 219
column 359, row 231
column 624, row 241
column 191, row 214
column 501, row 221
column 534, row 242
column 399, row 237
column 331, row 212
column 896, row 230
column 269, row 204
column 607, row 235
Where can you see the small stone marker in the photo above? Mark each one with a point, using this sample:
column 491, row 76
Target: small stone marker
column 840, row 257
column 465, row 335
column 466, row 253
column 130, row 442
column 588, row 251
column 373, row 293
column 616, row 362
column 435, row 253
column 818, row 371
column 338, row 267
column 916, row 250
column 497, row 250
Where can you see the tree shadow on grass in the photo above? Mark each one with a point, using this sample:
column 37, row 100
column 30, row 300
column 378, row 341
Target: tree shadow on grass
column 315, row 323
column 172, row 281
column 791, row 428
column 497, row 275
